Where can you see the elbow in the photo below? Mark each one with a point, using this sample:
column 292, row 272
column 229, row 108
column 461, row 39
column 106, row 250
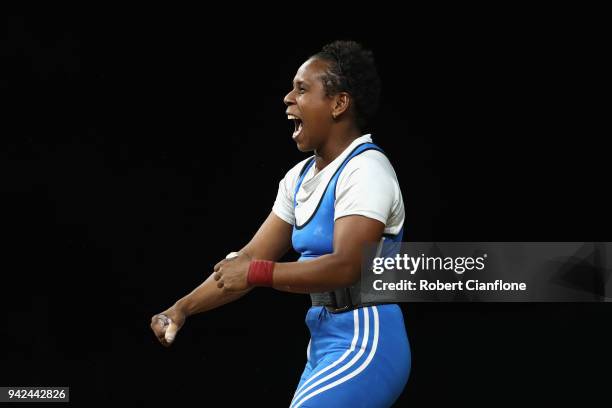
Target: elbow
column 349, row 273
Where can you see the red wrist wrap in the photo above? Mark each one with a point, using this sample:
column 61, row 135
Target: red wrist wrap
column 260, row 273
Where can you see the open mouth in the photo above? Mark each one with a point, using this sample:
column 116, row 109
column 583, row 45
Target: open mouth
column 298, row 125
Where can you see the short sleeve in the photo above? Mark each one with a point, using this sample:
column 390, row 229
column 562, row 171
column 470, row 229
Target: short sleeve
column 367, row 187
column 283, row 205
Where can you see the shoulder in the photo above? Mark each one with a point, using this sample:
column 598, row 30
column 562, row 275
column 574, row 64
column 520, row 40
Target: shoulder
column 370, row 164
column 293, row 174
column 368, row 186
column 297, row 169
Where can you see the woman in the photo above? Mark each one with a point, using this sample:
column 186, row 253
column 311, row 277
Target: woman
column 328, row 206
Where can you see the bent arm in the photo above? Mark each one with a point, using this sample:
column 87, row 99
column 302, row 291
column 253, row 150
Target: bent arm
column 339, row 269
column 270, row 242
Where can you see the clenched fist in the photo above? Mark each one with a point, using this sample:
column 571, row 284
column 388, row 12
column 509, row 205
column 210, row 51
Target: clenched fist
column 166, row 325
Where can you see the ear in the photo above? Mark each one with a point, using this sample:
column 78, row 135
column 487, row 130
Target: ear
column 341, row 104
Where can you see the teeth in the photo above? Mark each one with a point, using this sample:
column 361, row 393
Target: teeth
column 292, row 117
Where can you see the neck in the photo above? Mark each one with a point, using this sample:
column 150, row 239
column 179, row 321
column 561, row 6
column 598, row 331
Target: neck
column 334, row 146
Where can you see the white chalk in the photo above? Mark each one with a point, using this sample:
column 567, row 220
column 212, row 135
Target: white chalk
column 170, row 332
column 231, row 255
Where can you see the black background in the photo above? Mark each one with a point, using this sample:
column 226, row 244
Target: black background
column 140, row 148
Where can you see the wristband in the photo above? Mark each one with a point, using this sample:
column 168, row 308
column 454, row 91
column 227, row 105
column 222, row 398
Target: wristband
column 260, row 273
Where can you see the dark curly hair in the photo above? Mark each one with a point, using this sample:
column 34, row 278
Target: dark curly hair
column 352, row 70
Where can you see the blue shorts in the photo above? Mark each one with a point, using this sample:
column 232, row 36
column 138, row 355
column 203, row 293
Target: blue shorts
column 359, row 358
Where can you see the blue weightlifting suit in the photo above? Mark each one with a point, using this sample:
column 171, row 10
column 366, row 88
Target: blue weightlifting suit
column 355, row 358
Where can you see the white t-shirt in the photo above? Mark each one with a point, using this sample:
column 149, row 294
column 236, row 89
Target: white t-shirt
column 366, row 186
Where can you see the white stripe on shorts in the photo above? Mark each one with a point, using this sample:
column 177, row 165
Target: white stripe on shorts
column 353, row 373
column 348, row 365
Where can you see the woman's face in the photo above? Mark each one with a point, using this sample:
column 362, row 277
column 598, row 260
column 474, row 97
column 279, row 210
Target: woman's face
column 309, row 107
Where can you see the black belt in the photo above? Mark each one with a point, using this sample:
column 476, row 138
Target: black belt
column 340, row 300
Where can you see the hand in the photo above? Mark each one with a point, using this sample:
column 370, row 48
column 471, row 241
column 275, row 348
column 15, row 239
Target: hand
column 166, row 324
column 231, row 274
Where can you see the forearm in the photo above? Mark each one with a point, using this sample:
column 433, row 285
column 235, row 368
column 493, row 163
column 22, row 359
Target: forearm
column 271, row 242
column 322, row 274
column 206, row 297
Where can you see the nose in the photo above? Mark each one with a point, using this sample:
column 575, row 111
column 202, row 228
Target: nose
column 289, row 99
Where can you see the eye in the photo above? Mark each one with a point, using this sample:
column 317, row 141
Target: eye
column 301, row 90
